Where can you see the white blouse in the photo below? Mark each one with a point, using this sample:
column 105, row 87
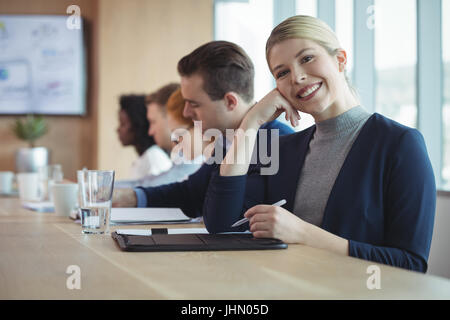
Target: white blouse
column 153, row 161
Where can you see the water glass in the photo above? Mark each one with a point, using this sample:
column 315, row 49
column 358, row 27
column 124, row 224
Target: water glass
column 95, row 199
column 48, row 175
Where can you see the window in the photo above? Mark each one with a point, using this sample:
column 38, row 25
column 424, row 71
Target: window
column 344, row 30
column 248, row 24
column 395, row 60
column 306, row 7
column 446, row 92
column 385, row 69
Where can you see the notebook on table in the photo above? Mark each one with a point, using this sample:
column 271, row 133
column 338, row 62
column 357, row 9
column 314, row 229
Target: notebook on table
column 148, row 216
column 163, row 241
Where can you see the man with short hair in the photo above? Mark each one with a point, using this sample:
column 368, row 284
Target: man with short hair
column 217, row 85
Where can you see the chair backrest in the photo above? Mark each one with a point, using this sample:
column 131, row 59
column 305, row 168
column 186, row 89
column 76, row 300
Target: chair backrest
column 439, row 260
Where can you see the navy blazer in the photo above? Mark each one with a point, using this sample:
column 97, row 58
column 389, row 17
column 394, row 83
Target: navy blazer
column 189, row 194
column 383, row 200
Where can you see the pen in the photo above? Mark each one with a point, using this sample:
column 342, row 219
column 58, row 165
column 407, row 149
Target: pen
column 244, row 220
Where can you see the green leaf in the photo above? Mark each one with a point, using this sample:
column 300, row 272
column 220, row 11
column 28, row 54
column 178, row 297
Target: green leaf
column 30, row 129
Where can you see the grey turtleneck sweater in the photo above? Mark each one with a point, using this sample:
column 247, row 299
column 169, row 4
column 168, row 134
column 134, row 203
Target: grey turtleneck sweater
column 327, row 151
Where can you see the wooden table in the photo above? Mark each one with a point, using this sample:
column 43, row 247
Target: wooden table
column 37, row 248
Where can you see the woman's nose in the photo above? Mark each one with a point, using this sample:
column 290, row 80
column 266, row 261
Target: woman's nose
column 298, row 76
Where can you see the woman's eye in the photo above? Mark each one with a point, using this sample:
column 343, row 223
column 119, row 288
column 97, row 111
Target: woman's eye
column 307, row 59
column 281, row 73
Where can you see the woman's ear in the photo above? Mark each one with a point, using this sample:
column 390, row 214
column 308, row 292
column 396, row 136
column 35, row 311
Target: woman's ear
column 231, row 100
column 341, row 57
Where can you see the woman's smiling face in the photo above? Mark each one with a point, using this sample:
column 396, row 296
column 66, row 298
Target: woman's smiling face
column 308, row 76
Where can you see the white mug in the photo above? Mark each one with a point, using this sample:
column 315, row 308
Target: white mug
column 28, row 183
column 6, row 179
column 65, row 198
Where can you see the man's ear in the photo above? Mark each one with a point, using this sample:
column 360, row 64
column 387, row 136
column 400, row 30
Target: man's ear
column 231, row 100
column 341, row 57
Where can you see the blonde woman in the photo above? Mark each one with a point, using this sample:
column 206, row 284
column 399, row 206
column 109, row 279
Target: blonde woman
column 356, row 183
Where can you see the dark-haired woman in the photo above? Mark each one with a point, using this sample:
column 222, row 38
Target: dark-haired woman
column 133, row 131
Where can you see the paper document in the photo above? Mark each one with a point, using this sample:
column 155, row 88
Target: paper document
column 147, row 215
column 39, row 206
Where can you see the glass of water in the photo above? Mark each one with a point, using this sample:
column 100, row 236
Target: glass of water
column 95, row 195
column 49, row 175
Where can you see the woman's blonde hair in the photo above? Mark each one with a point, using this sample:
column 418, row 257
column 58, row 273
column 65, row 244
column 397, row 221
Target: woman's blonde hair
column 306, row 27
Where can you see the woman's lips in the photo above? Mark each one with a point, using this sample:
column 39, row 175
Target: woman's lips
column 309, row 92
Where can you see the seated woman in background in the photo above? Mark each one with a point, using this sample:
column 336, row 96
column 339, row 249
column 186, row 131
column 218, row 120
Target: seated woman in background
column 357, row 184
column 133, row 131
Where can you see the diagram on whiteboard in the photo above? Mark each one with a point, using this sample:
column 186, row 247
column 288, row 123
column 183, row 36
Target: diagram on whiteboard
column 42, row 67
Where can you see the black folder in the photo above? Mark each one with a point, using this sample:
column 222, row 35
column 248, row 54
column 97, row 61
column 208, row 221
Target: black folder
column 195, row 242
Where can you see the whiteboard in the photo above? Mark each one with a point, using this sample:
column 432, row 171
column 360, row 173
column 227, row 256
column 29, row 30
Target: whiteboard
column 42, row 66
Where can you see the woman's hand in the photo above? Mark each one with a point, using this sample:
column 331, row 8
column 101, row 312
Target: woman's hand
column 270, row 107
column 239, row 155
column 267, row 221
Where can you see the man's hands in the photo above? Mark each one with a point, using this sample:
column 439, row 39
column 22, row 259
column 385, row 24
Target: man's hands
column 124, row 198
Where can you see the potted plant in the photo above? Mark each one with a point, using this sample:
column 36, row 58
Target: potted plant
column 30, row 129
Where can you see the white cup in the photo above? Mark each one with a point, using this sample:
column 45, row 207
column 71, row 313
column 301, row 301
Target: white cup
column 28, row 186
column 65, row 198
column 6, row 179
